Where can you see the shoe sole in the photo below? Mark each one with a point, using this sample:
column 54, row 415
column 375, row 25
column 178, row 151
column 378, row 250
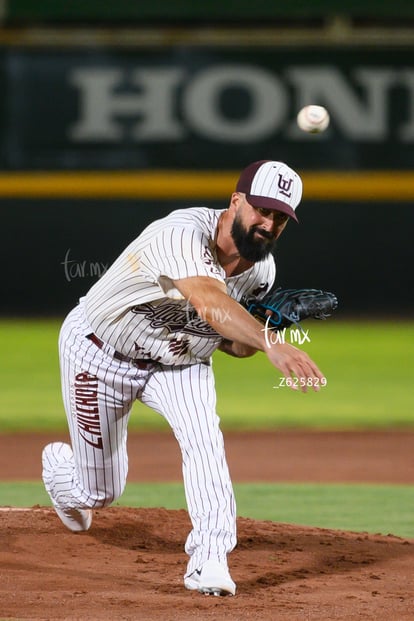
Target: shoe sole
column 80, row 522
column 214, row 591
column 211, row 579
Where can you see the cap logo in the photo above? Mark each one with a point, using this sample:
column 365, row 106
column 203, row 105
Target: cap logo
column 284, row 186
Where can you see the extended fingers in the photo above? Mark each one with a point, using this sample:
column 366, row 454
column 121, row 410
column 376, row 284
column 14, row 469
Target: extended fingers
column 299, row 370
column 309, row 375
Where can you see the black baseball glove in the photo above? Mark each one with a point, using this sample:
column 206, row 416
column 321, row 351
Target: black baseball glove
column 282, row 307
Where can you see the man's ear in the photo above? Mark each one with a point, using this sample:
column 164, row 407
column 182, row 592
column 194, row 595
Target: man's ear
column 236, row 199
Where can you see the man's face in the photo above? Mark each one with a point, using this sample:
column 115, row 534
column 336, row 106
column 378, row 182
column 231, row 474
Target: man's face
column 255, row 231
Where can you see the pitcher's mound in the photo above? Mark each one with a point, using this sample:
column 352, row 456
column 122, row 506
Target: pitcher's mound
column 130, row 566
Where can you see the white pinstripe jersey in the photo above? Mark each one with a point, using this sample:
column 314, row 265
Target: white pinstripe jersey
column 136, row 309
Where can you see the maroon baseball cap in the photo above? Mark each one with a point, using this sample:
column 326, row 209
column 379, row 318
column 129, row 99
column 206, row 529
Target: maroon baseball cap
column 271, row 185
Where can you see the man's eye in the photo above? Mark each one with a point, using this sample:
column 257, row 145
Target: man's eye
column 263, row 212
column 280, row 217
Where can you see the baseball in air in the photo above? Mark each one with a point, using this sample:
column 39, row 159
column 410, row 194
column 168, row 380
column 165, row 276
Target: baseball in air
column 313, row 119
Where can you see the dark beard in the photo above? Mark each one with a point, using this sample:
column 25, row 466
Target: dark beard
column 249, row 247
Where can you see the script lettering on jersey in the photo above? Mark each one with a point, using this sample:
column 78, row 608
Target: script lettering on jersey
column 87, row 410
column 178, row 347
column 175, row 318
column 209, row 260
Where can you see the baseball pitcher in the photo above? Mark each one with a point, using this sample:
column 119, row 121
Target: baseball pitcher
column 147, row 330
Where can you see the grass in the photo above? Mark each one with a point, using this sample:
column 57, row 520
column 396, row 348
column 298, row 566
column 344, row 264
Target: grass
column 368, row 366
column 385, row 509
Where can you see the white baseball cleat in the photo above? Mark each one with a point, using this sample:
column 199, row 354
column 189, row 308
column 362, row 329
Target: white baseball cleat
column 77, row 520
column 211, row 579
column 56, row 455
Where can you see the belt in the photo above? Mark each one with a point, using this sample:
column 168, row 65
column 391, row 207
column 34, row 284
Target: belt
column 141, row 363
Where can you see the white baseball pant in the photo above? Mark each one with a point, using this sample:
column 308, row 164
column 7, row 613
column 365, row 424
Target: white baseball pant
column 98, row 393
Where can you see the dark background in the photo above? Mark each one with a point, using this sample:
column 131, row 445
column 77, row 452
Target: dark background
column 361, row 250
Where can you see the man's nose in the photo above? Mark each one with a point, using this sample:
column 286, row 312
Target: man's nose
column 268, row 222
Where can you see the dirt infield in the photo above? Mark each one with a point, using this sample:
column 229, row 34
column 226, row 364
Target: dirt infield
column 129, row 566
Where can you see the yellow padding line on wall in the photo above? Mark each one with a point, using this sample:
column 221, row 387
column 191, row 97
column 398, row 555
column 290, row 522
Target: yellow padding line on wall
column 207, row 185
